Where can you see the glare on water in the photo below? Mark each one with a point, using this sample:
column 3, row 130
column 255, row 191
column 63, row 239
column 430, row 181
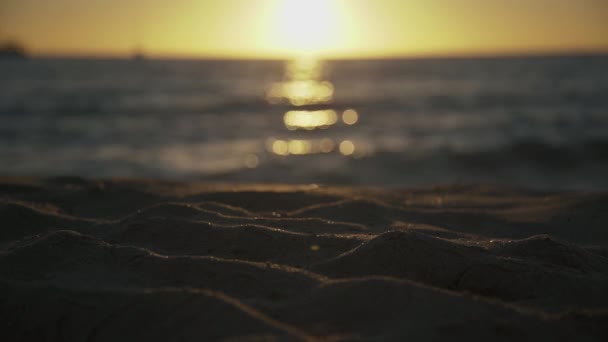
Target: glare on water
column 305, row 87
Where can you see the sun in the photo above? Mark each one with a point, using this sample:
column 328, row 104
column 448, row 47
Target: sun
column 305, row 27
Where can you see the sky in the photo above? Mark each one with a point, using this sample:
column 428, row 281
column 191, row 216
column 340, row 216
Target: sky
column 285, row 28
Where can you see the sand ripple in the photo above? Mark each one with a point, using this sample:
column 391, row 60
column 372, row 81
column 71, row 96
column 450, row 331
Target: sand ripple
column 133, row 260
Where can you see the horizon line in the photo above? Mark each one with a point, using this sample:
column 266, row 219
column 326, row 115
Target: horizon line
column 337, row 57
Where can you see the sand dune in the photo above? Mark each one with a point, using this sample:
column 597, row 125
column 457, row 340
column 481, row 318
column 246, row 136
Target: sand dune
column 137, row 259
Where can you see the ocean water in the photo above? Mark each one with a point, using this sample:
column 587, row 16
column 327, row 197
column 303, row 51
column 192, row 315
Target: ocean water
column 539, row 122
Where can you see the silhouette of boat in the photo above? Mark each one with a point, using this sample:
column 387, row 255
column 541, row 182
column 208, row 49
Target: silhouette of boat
column 12, row 50
column 138, row 55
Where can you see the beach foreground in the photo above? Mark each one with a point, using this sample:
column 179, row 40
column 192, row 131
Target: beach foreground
column 112, row 260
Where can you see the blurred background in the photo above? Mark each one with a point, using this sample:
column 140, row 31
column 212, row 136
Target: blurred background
column 358, row 92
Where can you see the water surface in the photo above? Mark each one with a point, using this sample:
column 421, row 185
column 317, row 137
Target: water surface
column 540, row 122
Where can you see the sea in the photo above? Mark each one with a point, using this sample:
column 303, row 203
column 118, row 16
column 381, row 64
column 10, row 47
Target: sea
column 538, row 122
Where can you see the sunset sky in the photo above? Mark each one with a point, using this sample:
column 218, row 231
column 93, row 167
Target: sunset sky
column 282, row 28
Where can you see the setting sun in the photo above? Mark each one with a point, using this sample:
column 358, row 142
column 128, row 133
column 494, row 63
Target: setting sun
column 305, row 27
column 287, row 28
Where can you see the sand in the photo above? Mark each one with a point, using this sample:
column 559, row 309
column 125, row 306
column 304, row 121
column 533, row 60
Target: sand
column 125, row 260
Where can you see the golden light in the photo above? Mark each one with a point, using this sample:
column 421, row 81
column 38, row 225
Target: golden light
column 303, row 84
column 289, row 28
column 347, row 147
column 304, row 69
column 306, row 27
column 300, row 93
column 280, row 147
column 350, row 117
column 309, row 120
column 299, row 147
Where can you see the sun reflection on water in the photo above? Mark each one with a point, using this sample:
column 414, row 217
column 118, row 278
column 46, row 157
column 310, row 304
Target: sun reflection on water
column 301, row 93
column 305, row 87
column 347, row 147
column 299, row 147
column 350, row 117
column 310, row 119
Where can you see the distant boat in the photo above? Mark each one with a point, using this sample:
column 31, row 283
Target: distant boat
column 12, row 50
column 138, row 55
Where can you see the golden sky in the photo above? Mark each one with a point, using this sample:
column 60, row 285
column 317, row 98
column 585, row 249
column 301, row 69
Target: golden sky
column 328, row 28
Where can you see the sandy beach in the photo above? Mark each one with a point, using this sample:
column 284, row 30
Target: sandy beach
column 124, row 260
